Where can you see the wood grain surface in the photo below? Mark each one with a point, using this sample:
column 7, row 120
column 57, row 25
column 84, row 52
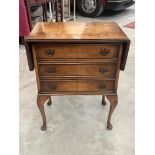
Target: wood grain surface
column 77, row 59
column 107, row 70
column 77, row 30
column 77, row 51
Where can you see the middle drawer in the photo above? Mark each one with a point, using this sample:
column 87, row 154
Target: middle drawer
column 101, row 69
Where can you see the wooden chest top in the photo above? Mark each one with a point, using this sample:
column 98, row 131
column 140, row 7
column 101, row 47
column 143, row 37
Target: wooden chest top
column 77, row 30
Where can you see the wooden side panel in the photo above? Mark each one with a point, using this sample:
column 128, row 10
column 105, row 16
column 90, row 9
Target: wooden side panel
column 125, row 51
column 30, row 60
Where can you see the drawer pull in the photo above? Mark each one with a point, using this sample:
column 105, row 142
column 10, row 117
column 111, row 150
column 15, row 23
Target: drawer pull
column 101, row 86
column 50, row 52
column 52, row 87
column 51, row 71
column 104, row 51
column 103, row 70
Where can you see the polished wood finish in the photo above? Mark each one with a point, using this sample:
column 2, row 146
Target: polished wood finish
column 77, row 51
column 77, row 59
column 107, row 70
column 77, row 30
column 113, row 103
column 40, row 102
column 54, row 86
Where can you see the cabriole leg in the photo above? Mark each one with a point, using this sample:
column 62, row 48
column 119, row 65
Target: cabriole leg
column 49, row 101
column 103, row 100
column 40, row 102
column 113, row 103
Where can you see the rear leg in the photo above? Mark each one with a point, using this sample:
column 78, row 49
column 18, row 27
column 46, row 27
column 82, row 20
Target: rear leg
column 49, row 101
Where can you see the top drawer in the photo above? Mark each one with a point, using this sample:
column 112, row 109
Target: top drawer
column 77, row 51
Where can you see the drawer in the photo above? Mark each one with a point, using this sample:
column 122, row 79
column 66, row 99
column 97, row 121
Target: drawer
column 77, row 51
column 76, row 86
column 51, row 70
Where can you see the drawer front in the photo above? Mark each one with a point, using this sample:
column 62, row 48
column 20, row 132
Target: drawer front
column 76, row 86
column 50, row 70
column 77, row 51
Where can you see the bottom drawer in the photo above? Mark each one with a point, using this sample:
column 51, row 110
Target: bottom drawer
column 76, row 86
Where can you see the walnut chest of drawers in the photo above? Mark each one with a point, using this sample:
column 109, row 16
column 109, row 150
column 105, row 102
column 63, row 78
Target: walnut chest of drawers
column 77, row 59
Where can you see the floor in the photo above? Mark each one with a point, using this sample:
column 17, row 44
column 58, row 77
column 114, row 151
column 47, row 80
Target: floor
column 77, row 124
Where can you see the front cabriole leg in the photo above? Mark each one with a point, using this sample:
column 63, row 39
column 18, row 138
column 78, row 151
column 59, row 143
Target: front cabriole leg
column 41, row 99
column 113, row 103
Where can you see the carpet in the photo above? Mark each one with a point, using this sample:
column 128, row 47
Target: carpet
column 130, row 25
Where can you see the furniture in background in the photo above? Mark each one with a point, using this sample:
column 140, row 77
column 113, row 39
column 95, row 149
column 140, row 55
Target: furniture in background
column 72, row 58
column 50, row 10
column 24, row 28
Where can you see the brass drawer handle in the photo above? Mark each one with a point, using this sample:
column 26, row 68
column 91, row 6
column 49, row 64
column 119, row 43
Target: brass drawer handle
column 52, row 87
column 51, row 71
column 103, row 70
column 104, row 51
column 101, row 86
column 50, row 52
